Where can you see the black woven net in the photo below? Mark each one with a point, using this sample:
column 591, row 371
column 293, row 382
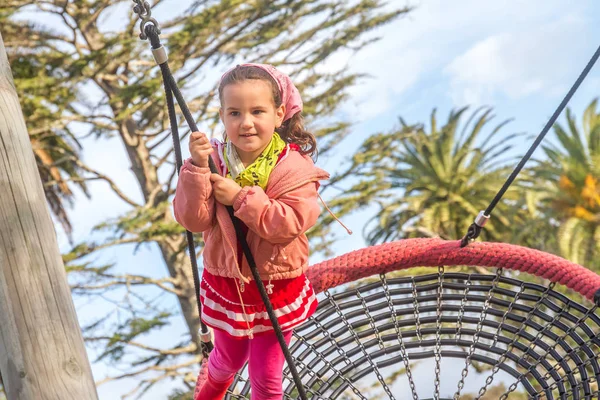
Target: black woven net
column 445, row 336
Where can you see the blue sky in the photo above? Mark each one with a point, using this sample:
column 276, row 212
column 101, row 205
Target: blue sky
column 519, row 57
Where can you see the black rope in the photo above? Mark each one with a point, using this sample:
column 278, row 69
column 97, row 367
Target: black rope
column 172, row 89
column 475, row 228
column 206, row 347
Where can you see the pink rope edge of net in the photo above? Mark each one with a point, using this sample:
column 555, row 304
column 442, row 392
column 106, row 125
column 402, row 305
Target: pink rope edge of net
column 409, row 253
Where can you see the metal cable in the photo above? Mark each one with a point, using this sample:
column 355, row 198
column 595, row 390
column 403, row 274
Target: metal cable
column 475, row 228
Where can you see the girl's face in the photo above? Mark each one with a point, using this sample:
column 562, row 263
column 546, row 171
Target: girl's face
column 250, row 117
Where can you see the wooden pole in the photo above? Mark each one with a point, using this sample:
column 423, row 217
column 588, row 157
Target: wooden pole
column 42, row 354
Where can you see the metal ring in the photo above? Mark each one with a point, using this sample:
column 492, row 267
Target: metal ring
column 143, row 24
column 144, row 11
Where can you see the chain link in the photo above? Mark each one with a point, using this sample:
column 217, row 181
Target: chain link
column 415, row 295
column 569, row 354
column 405, row 358
column 478, row 329
column 438, row 328
column 371, row 320
column 461, row 312
column 361, row 346
column 309, row 371
column 144, row 11
column 565, row 378
column 514, row 386
column 328, row 363
column 496, row 368
column 327, row 335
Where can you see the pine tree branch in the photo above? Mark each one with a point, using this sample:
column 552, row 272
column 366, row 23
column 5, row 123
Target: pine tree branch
column 165, row 369
column 171, row 181
column 108, row 180
column 62, row 123
column 176, row 351
column 87, row 249
column 129, row 280
column 166, row 135
column 227, row 39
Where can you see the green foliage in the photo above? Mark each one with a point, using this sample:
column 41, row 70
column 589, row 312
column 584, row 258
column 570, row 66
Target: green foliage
column 569, row 187
column 430, row 182
column 46, row 93
column 83, row 72
column 130, row 330
column 142, row 225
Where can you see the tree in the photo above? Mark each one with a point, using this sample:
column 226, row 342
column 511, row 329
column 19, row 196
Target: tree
column 569, row 184
column 43, row 355
column 105, row 85
column 46, row 97
column 429, row 182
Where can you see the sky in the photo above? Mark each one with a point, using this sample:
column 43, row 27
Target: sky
column 518, row 57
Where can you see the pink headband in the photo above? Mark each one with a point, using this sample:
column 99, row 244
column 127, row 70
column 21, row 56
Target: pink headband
column 290, row 96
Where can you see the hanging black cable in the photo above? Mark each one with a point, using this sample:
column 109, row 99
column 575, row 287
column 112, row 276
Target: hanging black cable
column 205, row 342
column 151, row 32
column 475, row 228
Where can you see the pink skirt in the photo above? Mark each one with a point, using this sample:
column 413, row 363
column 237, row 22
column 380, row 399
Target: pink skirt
column 293, row 300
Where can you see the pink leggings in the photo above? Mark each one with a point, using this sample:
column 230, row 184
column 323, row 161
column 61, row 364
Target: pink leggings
column 265, row 362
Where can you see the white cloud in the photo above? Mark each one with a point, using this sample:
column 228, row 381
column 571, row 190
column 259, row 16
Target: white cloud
column 518, row 63
column 424, row 42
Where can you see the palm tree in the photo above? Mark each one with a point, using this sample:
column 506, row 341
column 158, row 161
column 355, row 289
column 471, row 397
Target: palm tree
column 431, row 182
column 570, row 183
column 56, row 158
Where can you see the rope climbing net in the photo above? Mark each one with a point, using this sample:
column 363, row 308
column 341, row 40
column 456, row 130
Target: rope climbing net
column 446, row 335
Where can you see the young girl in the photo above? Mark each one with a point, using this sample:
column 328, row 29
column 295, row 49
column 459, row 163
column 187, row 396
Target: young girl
column 267, row 175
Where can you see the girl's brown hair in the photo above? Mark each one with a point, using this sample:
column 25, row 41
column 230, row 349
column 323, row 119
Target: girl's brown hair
column 292, row 130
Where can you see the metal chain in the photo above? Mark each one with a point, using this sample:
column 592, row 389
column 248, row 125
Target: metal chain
column 416, row 309
column 496, row 368
column 564, row 378
column 515, row 384
column 327, row 335
column 475, row 228
column 569, row 354
column 309, row 371
column 371, row 320
column 405, row 358
column 358, row 342
column 478, row 329
column 461, row 312
column 144, row 11
column 578, row 384
column 531, row 346
column 509, row 310
column 438, row 328
column 328, row 363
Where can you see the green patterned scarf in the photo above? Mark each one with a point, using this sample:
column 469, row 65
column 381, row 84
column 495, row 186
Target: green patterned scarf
column 257, row 173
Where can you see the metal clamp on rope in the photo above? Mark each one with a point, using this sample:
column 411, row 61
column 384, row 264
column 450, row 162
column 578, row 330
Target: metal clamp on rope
column 160, row 55
column 205, row 337
column 206, row 345
column 482, row 219
column 143, row 9
column 475, row 228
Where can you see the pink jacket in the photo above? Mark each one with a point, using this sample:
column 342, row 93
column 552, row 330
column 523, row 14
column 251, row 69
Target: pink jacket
column 277, row 218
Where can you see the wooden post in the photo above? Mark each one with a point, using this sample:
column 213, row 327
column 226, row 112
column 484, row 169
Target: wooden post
column 42, row 354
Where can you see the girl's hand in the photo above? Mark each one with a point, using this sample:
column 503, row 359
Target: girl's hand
column 224, row 189
column 200, row 149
